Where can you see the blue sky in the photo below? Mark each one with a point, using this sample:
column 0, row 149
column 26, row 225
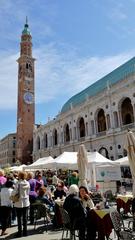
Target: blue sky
column 75, row 43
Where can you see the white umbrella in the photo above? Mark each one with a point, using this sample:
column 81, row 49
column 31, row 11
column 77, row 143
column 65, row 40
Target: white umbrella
column 82, row 161
column 130, row 146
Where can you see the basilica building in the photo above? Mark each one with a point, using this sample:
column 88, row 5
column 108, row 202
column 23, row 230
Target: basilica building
column 99, row 117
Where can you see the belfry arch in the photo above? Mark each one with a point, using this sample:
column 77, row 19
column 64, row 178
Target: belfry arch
column 81, row 127
column 66, row 133
column 127, row 112
column 55, row 137
column 101, row 121
column 38, row 143
column 45, row 140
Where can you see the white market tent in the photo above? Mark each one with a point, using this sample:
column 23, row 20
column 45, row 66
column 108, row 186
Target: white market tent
column 97, row 162
column 123, row 161
column 68, row 160
column 17, row 168
column 39, row 164
column 98, row 159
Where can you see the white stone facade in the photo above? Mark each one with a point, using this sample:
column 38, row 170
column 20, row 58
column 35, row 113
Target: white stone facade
column 101, row 123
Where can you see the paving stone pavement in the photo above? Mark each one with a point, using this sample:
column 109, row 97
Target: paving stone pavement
column 39, row 234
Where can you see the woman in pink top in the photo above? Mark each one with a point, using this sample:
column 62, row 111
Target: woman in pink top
column 2, row 178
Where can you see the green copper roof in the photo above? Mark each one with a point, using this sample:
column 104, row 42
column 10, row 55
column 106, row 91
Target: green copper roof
column 116, row 75
column 26, row 28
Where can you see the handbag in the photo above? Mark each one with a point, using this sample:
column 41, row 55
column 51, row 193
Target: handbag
column 15, row 198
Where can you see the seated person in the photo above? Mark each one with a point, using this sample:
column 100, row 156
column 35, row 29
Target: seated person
column 85, row 197
column 74, row 207
column 64, row 187
column 44, row 197
column 88, row 204
column 59, row 192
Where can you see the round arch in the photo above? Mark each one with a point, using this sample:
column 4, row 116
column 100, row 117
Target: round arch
column 45, row 139
column 81, row 127
column 55, row 137
column 127, row 111
column 101, row 121
column 38, row 143
column 66, row 133
column 104, row 152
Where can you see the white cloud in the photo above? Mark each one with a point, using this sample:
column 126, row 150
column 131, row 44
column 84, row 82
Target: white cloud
column 118, row 11
column 58, row 74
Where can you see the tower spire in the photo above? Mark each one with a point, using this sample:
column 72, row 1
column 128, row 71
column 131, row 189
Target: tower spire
column 26, row 20
column 26, row 30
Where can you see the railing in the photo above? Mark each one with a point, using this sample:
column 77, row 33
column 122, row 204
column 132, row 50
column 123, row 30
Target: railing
column 66, row 142
column 81, row 139
column 125, row 127
column 99, row 134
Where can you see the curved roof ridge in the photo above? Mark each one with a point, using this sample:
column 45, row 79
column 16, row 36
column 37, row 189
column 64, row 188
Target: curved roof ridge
column 113, row 77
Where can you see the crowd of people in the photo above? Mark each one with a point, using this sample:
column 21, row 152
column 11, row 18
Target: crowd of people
column 34, row 187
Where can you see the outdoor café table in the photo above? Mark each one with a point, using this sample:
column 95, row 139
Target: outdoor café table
column 102, row 221
column 124, row 201
column 59, row 202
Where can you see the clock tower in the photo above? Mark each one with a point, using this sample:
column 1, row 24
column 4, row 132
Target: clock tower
column 26, row 99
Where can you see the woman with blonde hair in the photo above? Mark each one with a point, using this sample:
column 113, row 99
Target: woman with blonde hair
column 22, row 187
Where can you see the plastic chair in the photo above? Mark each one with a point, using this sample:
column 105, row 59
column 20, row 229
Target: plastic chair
column 66, row 223
column 40, row 211
column 121, row 231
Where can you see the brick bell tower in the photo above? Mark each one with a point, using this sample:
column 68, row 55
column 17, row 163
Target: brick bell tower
column 26, row 99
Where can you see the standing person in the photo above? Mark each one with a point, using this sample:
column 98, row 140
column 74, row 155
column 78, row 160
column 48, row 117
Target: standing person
column 23, row 187
column 76, row 210
column 74, row 178
column 2, row 179
column 39, row 179
column 34, row 186
column 6, row 206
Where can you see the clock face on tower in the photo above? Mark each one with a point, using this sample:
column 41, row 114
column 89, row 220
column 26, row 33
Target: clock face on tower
column 28, row 98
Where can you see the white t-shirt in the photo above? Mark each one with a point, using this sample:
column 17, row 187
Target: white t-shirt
column 5, row 197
